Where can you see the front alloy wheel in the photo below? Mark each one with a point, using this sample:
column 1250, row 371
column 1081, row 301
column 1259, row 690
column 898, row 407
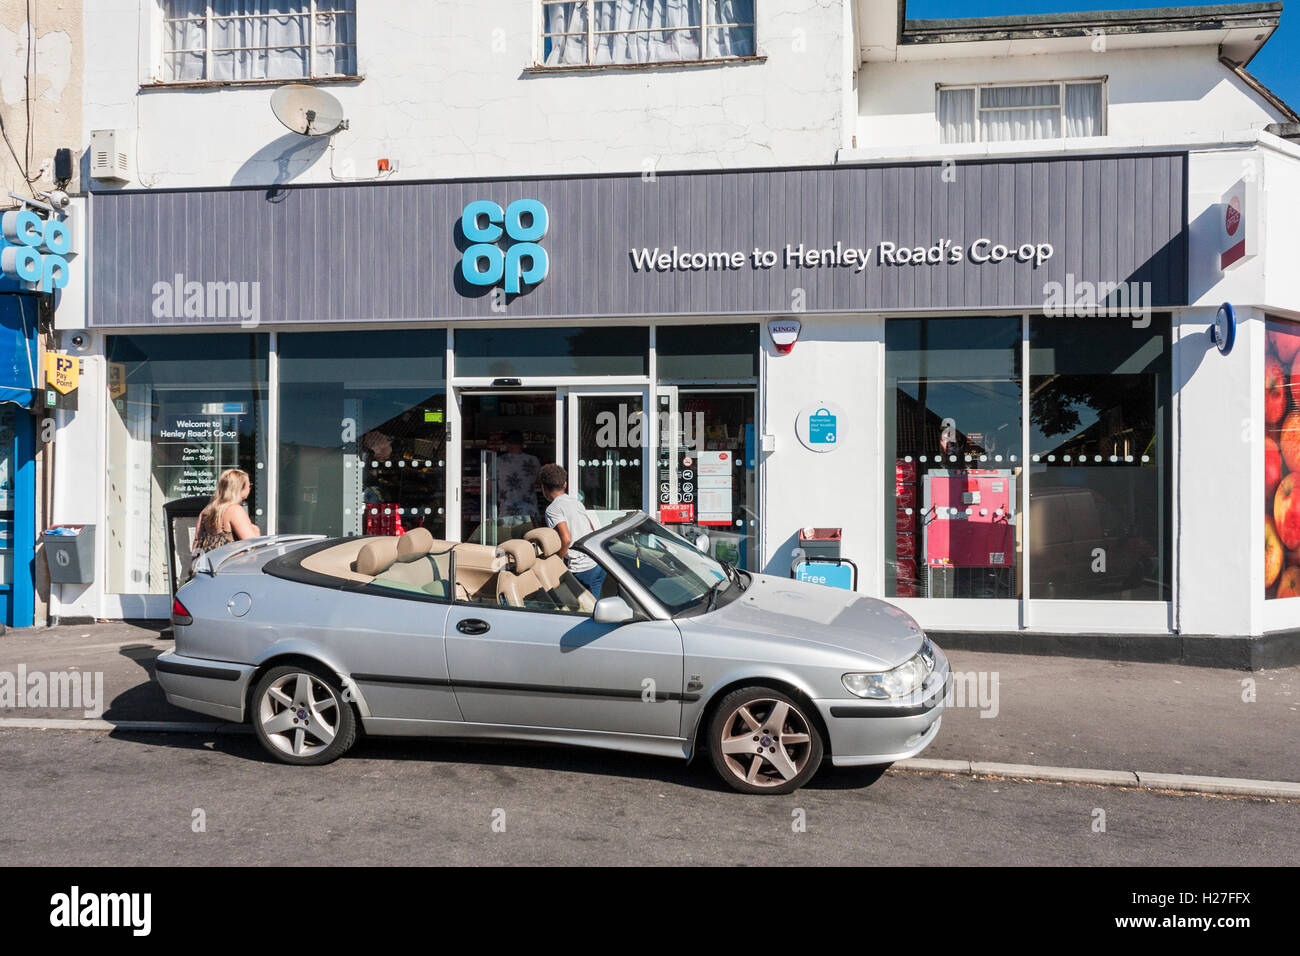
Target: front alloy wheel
column 301, row 717
column 761, row 741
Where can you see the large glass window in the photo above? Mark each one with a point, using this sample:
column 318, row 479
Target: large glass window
column 705, row 486
column 363, row 432
column 1099, row 459
column 541, row 352
column 182, row 409
column 953, row 422
column 706, row 353
column 1097, row 473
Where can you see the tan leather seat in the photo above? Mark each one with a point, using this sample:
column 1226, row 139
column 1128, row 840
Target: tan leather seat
column 376, row 556
column 476, row 572
column 517, row 583
column 565, row 589
column 415, row 567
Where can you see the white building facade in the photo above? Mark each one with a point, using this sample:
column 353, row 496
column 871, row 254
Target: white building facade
column 553, row 236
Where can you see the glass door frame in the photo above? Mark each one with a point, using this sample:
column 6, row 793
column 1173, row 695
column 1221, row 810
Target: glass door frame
column 567, row 405
column 456, row 438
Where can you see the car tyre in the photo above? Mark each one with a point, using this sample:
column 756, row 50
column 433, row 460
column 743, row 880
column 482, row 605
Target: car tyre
column 763, row 741
column 301, row 717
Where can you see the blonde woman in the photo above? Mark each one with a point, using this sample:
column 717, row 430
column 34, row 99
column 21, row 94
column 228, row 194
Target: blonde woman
column 224, row 519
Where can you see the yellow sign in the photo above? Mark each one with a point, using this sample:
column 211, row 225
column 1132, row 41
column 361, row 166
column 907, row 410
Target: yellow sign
column 61, row 372
column 116, row 380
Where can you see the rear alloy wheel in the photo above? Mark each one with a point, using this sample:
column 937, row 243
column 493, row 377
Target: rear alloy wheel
column 761, row 741
column 301, row 717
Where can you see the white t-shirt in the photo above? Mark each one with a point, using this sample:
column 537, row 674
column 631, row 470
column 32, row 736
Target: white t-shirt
column 569, row 509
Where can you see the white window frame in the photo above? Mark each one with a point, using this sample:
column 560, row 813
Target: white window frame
column 309, row 10
column 941, row 88
column 540, row 37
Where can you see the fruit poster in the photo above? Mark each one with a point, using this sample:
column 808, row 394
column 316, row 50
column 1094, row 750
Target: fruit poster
column 1282, row 460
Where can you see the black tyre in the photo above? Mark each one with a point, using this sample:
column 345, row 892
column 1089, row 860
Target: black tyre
column 299, row 714
column 763, row 741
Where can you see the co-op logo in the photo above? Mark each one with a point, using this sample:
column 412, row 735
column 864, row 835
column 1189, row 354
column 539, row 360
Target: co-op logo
column 35, row 249
column 518, row 262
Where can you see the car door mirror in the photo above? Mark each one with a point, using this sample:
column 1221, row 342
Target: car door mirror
column 612, row 610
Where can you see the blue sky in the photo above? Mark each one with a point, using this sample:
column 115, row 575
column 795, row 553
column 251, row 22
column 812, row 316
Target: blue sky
column 1273, row 66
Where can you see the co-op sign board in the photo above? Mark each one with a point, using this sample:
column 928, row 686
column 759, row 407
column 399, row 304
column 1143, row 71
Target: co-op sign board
column 743, row 242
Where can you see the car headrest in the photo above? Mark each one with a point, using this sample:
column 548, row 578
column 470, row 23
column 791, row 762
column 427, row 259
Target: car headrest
column 376, row 556
column 414, row 544
column 521, row 554
column 546, row 539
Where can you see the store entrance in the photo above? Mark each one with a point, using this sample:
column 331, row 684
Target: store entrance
column 506, row 437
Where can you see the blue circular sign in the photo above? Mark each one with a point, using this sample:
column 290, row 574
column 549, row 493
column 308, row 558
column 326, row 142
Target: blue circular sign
column 1224, row 329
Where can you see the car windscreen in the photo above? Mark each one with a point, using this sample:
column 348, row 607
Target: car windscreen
column 669, row 567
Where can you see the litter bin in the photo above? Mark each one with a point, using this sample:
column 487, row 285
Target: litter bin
column 820, row 542
column 70, row 553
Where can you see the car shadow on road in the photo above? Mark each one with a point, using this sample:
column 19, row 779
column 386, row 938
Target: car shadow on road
column 144, row 701
column 499, row 756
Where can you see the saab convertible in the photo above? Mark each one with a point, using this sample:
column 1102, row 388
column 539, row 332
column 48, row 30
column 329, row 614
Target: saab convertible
column 312, row 639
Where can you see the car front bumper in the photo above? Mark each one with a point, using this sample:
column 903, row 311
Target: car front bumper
column 215, row 688
column 865, row 732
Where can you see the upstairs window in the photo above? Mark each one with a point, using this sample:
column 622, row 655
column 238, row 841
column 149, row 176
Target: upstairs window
column 242, row 40
column 614, row 32
column 995, row 114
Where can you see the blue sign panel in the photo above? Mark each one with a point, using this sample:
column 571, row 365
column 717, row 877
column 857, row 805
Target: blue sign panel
column 821, row 427
column 522, row 262
column 834, row 574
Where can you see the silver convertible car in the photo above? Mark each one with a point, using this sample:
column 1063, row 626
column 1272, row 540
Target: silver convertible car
column 311, row 638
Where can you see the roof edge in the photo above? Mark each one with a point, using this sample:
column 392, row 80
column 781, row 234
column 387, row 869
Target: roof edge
column 1038, row 26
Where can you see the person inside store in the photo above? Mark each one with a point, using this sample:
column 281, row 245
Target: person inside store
column 224, row 520
column 517, row 483
column 567, row 515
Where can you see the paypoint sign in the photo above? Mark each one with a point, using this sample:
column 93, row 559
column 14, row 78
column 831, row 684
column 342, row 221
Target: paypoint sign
column 514, row 263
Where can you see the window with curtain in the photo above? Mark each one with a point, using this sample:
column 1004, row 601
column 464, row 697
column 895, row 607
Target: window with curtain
column 238, row 40
column 611, row 32
column 995, row 114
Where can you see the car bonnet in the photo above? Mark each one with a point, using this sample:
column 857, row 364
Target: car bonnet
column 812, row 614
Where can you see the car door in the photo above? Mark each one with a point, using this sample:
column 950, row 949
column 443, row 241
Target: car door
column 394, row 649
column 552, row 669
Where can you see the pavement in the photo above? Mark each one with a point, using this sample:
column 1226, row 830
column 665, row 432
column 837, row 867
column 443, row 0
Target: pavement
column 1028, row 711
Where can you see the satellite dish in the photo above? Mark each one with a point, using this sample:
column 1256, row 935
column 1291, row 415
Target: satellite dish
column 307, row 110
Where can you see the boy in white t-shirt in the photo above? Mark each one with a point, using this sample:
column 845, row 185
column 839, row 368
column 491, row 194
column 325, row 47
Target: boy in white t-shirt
column 567, row 516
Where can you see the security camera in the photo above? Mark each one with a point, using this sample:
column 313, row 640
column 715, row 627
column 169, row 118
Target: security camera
column 57, row 198
column 78, row 342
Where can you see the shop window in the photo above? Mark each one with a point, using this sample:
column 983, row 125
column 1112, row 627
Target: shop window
column 1099, row 483
column 551, row 352
column 706, row 353
column 1281, row 460
column 182, row 409
column 363, row 432
column 245, row 40
column 620, row 32
column 953, row 434
column 1001, row 113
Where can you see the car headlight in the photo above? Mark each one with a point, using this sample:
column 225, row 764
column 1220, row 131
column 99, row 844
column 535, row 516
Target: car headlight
column 899, row 682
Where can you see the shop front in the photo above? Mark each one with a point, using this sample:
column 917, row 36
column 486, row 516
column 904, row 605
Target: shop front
column 974, row 385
